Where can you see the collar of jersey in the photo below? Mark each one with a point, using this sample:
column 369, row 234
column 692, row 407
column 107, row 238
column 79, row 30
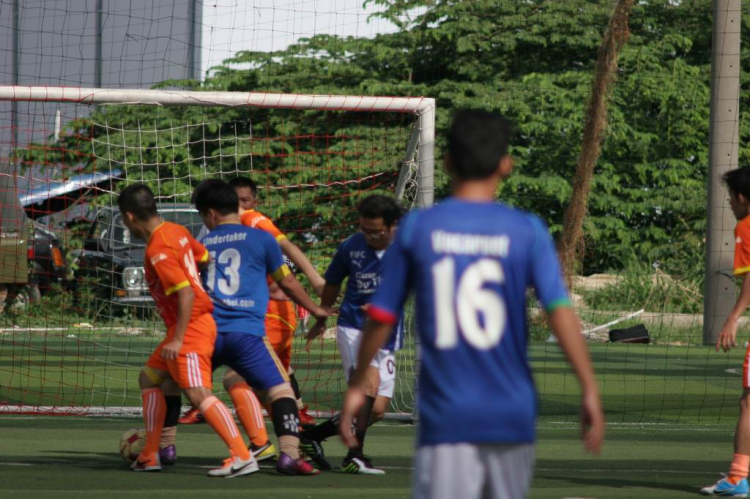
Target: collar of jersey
column 154, row 231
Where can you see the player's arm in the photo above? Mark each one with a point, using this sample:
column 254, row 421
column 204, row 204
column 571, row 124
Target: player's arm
column 293, row 252
column 567, row 328
column 546, row 278
column 202, row 256
column 299, row 259
column 728, row 335
column 185, row 299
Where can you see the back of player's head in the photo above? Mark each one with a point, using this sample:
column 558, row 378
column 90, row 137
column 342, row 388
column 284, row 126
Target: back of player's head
column 738, row 181
column 240, row 182
column 477, row 140
column 217, row 195
column 139, row 200
column 377, row 206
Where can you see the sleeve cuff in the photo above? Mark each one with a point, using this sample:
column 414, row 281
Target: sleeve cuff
column 280, row 273
column 559, row 303
column 280, row 237
column 381, row 315
column 741, row 271
column 204, row 258
column 177, row 287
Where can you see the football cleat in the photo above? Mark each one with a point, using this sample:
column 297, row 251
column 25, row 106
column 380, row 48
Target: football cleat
column 234, row 466
column 168, row 455
column 289, row 466
column 193, row 416
column 359, row 465
column 314, row 450
column 725, row 488
column 264, row 452
column 147, row 463
column 305, row 419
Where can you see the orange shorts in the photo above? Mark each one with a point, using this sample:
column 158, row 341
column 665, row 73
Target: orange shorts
column 281, row 322
column 192, row 368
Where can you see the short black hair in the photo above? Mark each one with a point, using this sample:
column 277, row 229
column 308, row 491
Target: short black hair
column 738, row 181
column 239, row 182
column 377, row 206
column 477, row 140
column 216, row 194
column 139, row 200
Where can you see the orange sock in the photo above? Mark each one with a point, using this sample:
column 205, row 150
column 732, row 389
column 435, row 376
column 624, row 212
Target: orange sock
column 739, row 468
column 220, row 419
column 154, row 410
column 248, row 410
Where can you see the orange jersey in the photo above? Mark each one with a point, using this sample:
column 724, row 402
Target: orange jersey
column 169, row 264
column 742, row 247
column 258, row 220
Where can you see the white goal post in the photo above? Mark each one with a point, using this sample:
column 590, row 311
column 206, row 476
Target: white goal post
column 410, row 152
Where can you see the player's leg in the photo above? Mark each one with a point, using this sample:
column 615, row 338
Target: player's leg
column 281, row 323
column 255, row 361
column 736, row 485
column 508, row 470
column 355, row 461
column 150, row 380
column 250, row 414
column 173, row 399
column 448, row 471
column 192, row 370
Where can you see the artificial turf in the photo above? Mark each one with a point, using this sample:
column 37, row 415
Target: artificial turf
column 59, row 457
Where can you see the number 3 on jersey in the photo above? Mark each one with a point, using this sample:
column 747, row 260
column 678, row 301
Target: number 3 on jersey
column 230, row 260
column 460, row 306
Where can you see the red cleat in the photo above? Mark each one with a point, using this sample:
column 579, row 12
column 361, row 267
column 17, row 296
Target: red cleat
column 305, row 420
column 193, row 416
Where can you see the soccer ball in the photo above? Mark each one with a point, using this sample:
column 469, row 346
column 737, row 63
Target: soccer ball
column 132, row 443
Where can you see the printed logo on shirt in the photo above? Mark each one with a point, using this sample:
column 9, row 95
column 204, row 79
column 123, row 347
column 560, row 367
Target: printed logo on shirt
column 357, row 257
column 157, row 258
column 739, row 240
column 183, row 242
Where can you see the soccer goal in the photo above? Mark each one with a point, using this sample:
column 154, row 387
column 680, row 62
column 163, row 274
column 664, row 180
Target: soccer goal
column 80, row 348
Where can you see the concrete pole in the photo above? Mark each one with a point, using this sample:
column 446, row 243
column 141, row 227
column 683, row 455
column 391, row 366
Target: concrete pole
column 723, row 136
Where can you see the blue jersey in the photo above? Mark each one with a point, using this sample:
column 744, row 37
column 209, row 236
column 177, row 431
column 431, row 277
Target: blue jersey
column 363, row 266
column 469, row 265
column 241, row 258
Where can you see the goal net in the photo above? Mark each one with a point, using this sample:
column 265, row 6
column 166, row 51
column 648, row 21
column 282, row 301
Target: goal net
column 79, row 346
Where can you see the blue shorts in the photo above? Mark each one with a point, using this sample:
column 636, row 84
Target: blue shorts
column 251, row 357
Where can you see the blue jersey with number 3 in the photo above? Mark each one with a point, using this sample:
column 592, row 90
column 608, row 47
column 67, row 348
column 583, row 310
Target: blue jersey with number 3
column 469, row 265
column 241, row 258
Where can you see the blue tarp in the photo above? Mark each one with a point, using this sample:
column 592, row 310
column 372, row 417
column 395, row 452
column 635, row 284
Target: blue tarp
column 54, row 188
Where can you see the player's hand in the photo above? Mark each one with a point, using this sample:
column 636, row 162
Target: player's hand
column 318, row 328
column 592, row 423
column 728, row 336
column 171, row 350
column 353, row 402
column 365, row 307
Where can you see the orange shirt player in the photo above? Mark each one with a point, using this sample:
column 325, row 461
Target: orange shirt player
column 736, row 485
column 281, row 317
column 185, row 354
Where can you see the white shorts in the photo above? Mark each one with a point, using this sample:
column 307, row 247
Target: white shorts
column 472, row 471
column 385, row 361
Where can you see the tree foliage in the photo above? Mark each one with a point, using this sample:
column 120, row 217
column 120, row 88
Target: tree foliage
column 533, row 61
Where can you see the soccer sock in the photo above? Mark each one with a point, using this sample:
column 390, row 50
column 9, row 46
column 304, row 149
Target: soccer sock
column 154, row 408
column 248, row 410
column 324, row 430
column 361, row 422
column 739, row 468
column 297, row 393
column 172, row 415
column 220, row 419
column 286, row 425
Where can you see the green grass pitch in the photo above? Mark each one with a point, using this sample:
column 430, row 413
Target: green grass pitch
column 671, row 411
column 61, row 457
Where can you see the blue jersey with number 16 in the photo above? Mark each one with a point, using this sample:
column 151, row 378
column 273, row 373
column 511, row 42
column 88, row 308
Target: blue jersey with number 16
column 241, row 258
column 469, row 265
